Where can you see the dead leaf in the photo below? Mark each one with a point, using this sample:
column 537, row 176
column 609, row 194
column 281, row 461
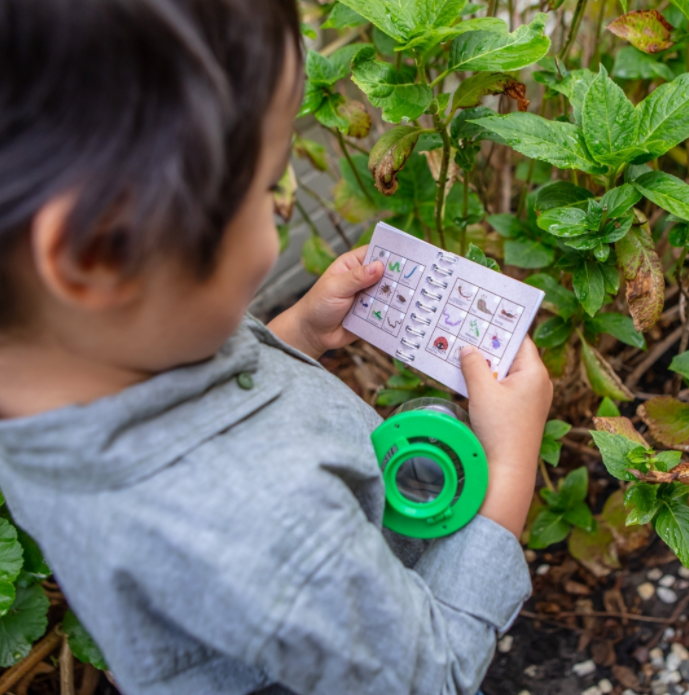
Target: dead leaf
column 389, row 156
column 285, row 194
column 603, row 653
column 626, row 677
column 517, row 91
column 679, row 473
column 572, row 587
column 619, row 425
column 668, row 421
column 358, row 119
column 646, row 30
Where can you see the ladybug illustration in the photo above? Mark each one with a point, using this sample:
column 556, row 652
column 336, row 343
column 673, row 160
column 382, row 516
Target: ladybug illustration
column 440, row 343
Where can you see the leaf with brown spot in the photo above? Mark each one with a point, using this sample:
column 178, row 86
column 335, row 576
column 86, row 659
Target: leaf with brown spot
column 668, row 421
column 471, row 90
column 595, row 550
column 614, row 516
column 619, row 425
column 646, row 30
column 358, row 119
column 351, row 203
column 641, row 267
column 389, row 155
column 285, row 194
column 313, row 151
column 601, row 376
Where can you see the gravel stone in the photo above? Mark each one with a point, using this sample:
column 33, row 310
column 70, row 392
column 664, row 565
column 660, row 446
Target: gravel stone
column 657, row 658
column 668, row 580
column 605, row 686
column 672, row 662
column 683, row 572
column 542, row 569
column 684, row 669
column 646, row 590
column 629, row 691
column 531, row 671
column 680, row 650
column 584, row 668
column 529, row 555
column 666, row 595
column 593, row 690
column 670, row 677
column 505, row 644
column 655, row 574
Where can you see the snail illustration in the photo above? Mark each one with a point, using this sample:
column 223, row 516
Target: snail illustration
column 481, row 306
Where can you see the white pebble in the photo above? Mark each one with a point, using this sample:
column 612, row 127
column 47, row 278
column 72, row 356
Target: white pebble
column 657, row 658
column 682, row 584
column 584, row 668
column 524, row 692
column 645, row 590
column 605, row 686
column 529, row 555
column 668, row 580
column 505, row 644
column 628, row 691
column 669, row 633
column 593, row 690
column 683, row 572
column 668, row 677
column 531, row 671
column 542, row 569
column 672, row 662
column 655, row 574
column 666, row 595
column 680, row 650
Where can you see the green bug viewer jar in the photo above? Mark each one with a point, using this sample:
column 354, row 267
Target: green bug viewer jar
column 434, row 468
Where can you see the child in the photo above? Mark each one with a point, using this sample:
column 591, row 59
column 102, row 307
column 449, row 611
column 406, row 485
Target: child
column 205, row 492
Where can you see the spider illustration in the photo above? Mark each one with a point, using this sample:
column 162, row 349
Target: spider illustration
column 507, row 315
column 461, row 294
column 495, row 342
column 386, row 289
column 401, row 299
column 440, row 343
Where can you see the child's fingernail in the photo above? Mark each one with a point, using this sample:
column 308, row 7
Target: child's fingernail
column 467, row 350
column 371, row 268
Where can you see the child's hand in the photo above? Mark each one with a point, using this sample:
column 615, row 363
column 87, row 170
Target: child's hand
column 314, row 324
column 508, row 417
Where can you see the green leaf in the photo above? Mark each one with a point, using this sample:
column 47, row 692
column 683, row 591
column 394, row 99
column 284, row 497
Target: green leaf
column 343, row 17
column 317, row 255
column 607, row 408
column 633, row 64
column 11, row 554
column 328, row 113
column 561, row 144
column 668, row 421
column 553, row 332
column 81, row 643
column 392, row 90
column 34, row 563
column 609, row 122
column 614, row 449
column 555, row 294
column 589, row 286
column 574, row 487
column 557, row 429
column 402, row 19
column 24, row 623
column 527, row 253
column 641, row 501
column 556, row 359
column 564, row 222
column 679, row 236
column 319, row 70
column 550, row 450
column 462, row 127
column 341, row 59
column 307, row 31
column 549, row 527
column 642, row 269
column 313, row 98
column 395, row 396
column 471, row 90
column 579, row 82
column 618, row 200
column 508, row 225
column 680, row 364
column 594, row 549
column 475, row 254
column 683, row 6
column 666, row 460
column 666, row 191
column 646, row 30
column 672, row 525
column 390, row 154
column 602, row 377
column 283, row 236
column 664, row 117
column 579, row 515
column 561, row 194
column 313, row 151
column 619, row 326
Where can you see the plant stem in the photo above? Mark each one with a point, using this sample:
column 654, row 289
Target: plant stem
column 330, row 211
column 492, row 8
column 465, row 212
column 442, row 179
column 544, row 473
column 574, row 28
column 595, row 60
column 677, row 378
column 510, row 12
column 307, row 218
column 355, row 171
column 398, row 60
column 529, row 175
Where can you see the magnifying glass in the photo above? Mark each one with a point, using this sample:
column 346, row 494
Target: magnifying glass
column 434, row 468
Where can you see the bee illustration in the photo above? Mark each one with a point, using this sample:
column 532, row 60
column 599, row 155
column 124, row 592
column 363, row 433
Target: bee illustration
column 440, row 343
column 386, row 289
column 401, row 299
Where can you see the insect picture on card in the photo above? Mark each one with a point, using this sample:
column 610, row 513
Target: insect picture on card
column 386, row 289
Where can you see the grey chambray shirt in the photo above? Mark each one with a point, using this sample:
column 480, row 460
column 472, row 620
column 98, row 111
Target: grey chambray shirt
column 218, row 540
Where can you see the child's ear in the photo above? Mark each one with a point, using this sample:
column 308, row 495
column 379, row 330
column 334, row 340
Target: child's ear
column 87, row 284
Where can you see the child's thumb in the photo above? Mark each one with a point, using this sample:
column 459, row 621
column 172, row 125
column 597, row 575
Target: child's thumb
column 475, row 368
column 359, row 278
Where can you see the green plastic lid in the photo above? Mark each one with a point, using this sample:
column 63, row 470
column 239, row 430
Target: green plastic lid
column 434, row 468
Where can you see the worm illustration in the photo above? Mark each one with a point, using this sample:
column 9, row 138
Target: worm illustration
column 411, row 272
column 394, row 267
column 466, row 296
column 393, row 325
column 448, row 317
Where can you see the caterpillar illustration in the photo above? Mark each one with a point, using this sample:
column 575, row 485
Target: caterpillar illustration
column 507, row 315
column 394, row 267
column 461, row 294
column 448, row 321
column 393, row 325
column 411, row 272
column 440, row 343
column 481, row 306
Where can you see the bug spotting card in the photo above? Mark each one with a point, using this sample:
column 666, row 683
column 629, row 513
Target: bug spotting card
column 431, row 303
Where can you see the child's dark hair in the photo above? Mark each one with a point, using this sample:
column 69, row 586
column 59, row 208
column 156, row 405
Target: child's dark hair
column 150, row 111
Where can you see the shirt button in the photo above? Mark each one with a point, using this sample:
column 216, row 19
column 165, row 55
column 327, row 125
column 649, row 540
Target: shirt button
column 245, row 381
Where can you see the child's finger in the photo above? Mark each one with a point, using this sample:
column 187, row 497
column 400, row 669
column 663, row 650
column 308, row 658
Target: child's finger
column 528, row 359
column 359, row 278
column 475, row 369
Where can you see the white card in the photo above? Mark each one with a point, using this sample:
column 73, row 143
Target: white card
column 430, row 303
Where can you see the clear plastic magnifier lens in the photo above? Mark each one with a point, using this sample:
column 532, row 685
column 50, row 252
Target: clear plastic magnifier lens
column 420, row 479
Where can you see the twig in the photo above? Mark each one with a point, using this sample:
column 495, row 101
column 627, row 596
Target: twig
column 39, row 652
column 66, row 669
column 581, row 448
column 574, row 28
column 465, row 212
column 330, row 212
column 544, row 473
column 679, row 609
column 307, row 218
column 599, row 614
column 654, row 354
column 355, row 171
column 89, row 680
